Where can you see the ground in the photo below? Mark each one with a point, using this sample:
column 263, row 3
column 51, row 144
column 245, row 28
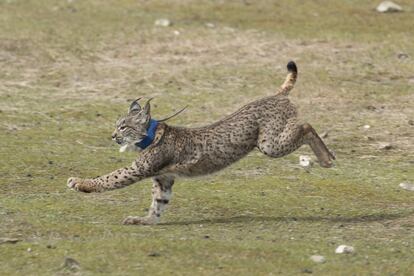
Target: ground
column 70, row 68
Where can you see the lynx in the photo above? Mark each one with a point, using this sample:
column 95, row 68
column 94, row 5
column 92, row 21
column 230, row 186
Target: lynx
column 269, row 124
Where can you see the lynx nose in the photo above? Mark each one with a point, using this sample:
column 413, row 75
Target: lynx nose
column 113, row 136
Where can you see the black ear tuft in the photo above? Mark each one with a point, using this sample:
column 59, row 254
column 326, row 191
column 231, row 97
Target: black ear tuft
column 147, row 108
column 135, row 107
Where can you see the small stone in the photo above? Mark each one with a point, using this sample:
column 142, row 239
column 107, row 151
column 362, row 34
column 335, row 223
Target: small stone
column 388, row 6
column 407, row 186
column 29, row 250
column 324, row 134
column 366, row 126
column 154, row 254
column 9, row 240
column 402, row 56
column 71, row 264
column 177, row 32
column 385, row 146
column 307, row 270
column 344, row 249
column 163, row 22
column 210, row 25
column 305, row 161
column 318, row 259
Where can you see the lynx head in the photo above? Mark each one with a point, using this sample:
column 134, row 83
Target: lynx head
column 132, row 128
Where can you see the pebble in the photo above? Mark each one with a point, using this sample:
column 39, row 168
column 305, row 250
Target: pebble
column 403, row 56
column 388, row 6
column 344, row 249
column 154, row 254
column 305, row 161
column 71, row 264
column 407, row 186
column 366, row 126
column 9, row 240
column 163, row 22
column 385, row 146
column 318, row 259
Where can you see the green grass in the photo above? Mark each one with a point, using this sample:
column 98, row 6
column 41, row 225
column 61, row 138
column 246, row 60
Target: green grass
column 69, row 69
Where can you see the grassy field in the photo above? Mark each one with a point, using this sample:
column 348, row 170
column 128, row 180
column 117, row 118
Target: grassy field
column 69, row 69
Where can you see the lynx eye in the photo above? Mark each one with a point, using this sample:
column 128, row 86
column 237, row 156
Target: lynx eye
column 122, row 127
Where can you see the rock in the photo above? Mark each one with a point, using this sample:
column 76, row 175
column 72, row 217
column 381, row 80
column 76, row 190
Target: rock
column 305, row 161
column 210, row 25
column 325, row 134
column 9, row 240
column 402, row 56
column 163, row 22
column 29, row 250
column 407, row 186
column 307, row 270
column 154, row 254
column 385, row 146
column 388, row 6
column 318, row 258
column 366, row 126
column 71, row 264
column 344, row 249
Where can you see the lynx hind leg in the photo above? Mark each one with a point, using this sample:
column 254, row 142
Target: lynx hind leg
column 318, row 147
column 161, row 196
column 291, row 138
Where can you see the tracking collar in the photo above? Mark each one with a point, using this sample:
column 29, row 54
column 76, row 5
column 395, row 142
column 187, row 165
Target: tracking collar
column 149, row 138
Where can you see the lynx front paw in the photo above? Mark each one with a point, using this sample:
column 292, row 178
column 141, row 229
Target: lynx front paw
column 140, row 220
column 80, row 185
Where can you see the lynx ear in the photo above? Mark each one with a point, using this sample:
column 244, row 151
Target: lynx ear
column 135, row 107
column 147, row 108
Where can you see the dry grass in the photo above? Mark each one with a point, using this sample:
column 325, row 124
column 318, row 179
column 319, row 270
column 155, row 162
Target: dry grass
column 69, row 69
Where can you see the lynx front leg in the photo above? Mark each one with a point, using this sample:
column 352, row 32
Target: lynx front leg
column 115, row 180
column 161, row 195
column 146, row 165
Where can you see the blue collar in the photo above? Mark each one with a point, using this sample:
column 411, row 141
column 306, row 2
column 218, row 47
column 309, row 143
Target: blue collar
column 144, row 143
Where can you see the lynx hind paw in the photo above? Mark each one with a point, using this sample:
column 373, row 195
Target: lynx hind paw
column 139, row 221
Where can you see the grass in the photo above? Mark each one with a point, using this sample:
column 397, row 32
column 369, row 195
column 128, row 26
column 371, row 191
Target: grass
column 69, row 69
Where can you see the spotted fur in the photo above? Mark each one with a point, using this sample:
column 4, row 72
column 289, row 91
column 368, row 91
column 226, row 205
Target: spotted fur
column 269, row 124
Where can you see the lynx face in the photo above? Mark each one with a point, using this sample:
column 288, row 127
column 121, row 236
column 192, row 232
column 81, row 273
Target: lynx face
column 132, row 128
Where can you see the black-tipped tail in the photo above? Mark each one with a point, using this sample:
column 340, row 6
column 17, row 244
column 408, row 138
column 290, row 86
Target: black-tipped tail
column 291, row 66
column 290, row 79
